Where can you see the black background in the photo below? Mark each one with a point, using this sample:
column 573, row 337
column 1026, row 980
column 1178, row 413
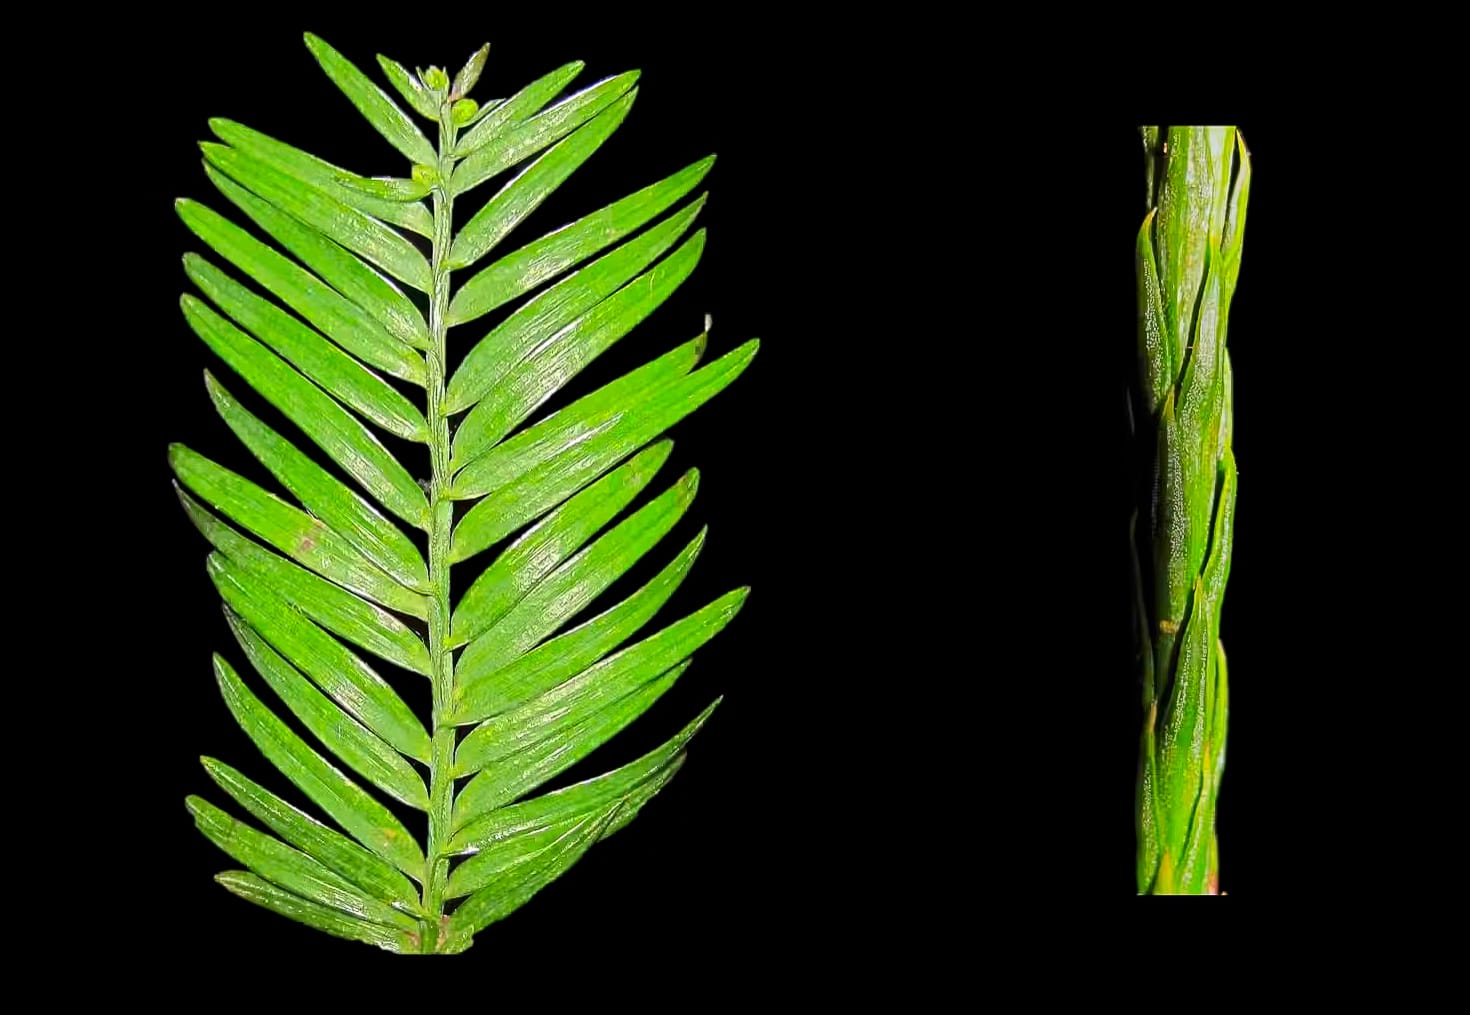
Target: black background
column 930, row 709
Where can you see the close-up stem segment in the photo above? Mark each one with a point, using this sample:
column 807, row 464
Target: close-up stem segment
column 1198, row 182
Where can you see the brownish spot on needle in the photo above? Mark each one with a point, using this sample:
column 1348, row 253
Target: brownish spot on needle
column 308, row 541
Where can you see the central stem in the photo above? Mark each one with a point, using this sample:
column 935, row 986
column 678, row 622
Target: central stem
column 441, row 773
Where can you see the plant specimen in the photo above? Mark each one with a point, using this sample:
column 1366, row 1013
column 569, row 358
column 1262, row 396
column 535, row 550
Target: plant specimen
column 335, row 578
column 1188, row 250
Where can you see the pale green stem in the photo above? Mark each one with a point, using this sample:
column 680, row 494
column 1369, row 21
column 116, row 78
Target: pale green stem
column 441, row 772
